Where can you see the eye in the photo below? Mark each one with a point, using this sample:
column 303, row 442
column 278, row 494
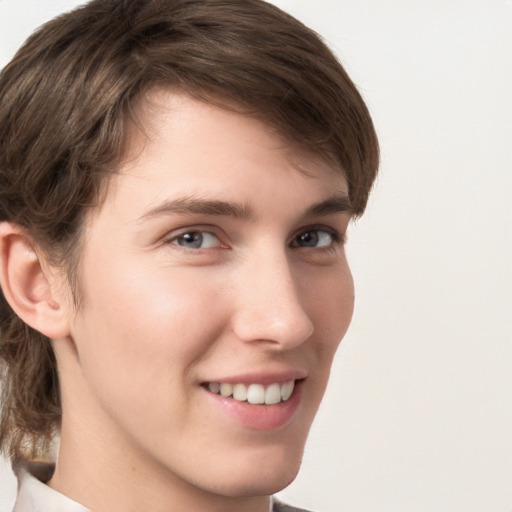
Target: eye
column 196, row 240
column 316, row 238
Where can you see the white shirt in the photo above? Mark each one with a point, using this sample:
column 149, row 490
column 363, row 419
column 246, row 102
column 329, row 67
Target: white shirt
column 36, row 496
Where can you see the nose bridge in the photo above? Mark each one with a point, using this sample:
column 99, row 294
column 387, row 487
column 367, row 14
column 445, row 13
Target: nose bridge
column 269, row 306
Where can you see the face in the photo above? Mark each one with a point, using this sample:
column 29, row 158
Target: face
column 214, row 279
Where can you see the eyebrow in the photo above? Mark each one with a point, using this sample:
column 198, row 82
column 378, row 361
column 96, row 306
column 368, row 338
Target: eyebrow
column 192, row 205
column 339, row 203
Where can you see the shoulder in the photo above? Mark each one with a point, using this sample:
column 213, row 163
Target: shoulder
column 279, row 506
column 33, row 493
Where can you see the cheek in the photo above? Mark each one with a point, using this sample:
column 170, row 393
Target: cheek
column 332, row 305
column 341, row 304
column 144, row 331
column 151, row 307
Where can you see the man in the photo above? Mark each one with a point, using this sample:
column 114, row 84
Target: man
column 176, row 181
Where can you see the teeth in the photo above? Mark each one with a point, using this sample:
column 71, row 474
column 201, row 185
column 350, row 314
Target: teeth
column 240, row 392
column 256, row 394
column 214, row 387
column 273, row 394
column 287, row 390
column 226, row 390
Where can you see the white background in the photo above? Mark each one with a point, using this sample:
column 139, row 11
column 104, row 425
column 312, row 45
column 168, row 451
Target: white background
column 418, row 416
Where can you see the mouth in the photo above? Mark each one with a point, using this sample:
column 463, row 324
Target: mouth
column 254, row 393
column 258, row 401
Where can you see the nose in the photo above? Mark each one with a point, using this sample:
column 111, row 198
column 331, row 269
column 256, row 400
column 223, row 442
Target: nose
column 268, row 304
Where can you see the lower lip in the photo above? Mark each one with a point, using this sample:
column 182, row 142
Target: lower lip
column 260, row 417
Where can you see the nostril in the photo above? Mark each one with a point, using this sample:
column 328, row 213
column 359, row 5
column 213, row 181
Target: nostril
column 276, row 327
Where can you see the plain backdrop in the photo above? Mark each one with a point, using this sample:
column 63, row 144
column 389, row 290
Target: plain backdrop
column 418, row 415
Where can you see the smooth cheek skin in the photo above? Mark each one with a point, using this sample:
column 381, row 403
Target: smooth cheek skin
column 158, row 320
column 147, row 383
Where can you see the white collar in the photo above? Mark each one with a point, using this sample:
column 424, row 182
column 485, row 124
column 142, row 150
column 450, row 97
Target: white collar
column 36, row 496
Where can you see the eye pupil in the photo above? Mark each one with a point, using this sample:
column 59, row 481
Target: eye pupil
column 309, row 239
column 193, row 240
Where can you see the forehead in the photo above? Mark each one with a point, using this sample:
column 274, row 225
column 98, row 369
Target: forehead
column 161, row 114
column 178, row 144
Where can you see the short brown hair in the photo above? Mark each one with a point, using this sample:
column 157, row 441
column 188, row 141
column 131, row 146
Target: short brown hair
column 65, row 100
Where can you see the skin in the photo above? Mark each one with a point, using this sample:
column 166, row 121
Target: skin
column 162, row 316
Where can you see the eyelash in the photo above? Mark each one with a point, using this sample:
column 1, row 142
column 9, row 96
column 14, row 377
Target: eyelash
column 337, row 239
column 200, row 232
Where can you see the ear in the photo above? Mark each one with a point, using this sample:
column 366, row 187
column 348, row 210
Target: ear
column 29, row 286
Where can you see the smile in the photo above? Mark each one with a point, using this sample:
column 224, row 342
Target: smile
column 256, row 394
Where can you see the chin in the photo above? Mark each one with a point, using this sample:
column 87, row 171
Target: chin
column 261, row 485
column 271, row 473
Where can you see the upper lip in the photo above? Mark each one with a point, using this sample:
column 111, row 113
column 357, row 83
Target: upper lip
column 264, row 378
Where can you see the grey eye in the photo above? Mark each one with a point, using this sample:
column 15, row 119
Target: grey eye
column 196, row 240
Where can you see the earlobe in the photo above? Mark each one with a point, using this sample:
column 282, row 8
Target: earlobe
column 27, row 287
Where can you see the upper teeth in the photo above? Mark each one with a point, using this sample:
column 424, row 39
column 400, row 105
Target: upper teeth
column 254, row 393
